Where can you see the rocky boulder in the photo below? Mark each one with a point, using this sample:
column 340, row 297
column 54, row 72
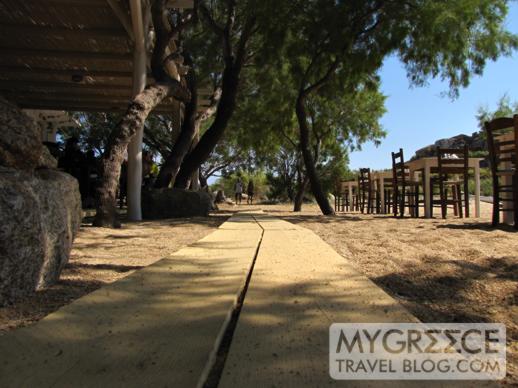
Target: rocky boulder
column 20, row 143
column 174, row 203
column 40, row 208
column 41, row 214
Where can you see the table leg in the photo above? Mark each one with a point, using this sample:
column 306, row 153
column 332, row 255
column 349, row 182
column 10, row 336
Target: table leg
column 508, row 180
column 351, row 208
column 477, row 191
column 382, row 195
column 427, row 203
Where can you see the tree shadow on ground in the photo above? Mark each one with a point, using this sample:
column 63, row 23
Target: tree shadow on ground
column 482, row 226
column 111, row 267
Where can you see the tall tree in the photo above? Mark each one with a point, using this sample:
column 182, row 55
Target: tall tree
column 234, row 24
column 326, row 40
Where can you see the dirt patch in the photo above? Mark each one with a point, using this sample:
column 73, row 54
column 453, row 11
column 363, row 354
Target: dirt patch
column 449, row 270
column 101, row 256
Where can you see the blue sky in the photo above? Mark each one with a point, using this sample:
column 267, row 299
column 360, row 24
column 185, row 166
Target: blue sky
column 417, row 117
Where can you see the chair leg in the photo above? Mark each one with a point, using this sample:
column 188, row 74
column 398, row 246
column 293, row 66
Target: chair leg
column 466, row 196
column 496, row 202
column 459, row 198
column 430, row 194
column 443, row 196
column 402, row 202
column 515, row 201
column 455, row 200
column 417, row 201
column 395, row 199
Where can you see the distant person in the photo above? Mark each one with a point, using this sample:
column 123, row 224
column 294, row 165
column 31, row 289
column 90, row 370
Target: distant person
column 250, row 192
column 238, row 190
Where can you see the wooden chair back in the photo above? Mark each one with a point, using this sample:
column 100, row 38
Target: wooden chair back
column 453, row 161
column 503, row 158
column 501, row 152
column 365, row 189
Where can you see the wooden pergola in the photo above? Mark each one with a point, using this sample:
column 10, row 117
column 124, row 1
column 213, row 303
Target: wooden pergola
column 80, row 55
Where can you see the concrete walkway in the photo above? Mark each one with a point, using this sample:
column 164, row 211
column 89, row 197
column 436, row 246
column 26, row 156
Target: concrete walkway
column 299, row 287
column 163, row 325
column 157, row 327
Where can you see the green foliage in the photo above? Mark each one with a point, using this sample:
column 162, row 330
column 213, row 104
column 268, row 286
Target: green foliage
column 505, row 108
column 93, row 130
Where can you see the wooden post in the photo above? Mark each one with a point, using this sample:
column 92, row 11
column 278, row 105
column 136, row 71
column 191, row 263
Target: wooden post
column 139, row 83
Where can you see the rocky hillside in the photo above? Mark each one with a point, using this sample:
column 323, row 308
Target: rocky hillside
column 476, row 142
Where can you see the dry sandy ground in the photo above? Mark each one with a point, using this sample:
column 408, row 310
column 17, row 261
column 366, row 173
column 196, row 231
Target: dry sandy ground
column 441, row 270
column 100, row 256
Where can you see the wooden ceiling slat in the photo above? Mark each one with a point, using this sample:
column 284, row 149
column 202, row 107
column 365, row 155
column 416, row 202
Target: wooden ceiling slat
column 31, row 29
column 70, row 2
column 24, row 52
column 68, row 72
column 52, row 84
column 101, row 107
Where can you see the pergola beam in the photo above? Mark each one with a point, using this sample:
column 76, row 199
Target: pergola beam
column 63, row 54
column 180, row 4
column 86, row 107
column 56, row 84
column 123, row 16
column 66, row 72
column 32, row 29
column 88, row 3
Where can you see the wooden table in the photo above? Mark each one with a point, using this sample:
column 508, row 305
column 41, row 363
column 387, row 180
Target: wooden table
column 349, row 185
column 508, row 216
column 425, row 165
column 379, row 177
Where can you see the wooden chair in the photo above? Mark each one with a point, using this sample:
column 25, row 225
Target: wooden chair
column 405, row 191
column 503, row 157
column 365, row 191
column 452, row 175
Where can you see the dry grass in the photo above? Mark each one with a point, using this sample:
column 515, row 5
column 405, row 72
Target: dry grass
column 101, row 256
column 441, row 270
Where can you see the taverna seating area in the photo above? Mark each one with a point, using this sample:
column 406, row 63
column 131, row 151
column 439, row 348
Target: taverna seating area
column 440, row 185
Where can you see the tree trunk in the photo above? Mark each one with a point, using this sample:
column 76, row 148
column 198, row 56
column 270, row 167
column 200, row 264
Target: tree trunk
column 299, row 196
column 203, row 181
column 172, row 164
column 309, row 163
column 118, row 141
column 211, row 137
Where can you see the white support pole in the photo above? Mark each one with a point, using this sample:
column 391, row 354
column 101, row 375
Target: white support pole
column 139, row 83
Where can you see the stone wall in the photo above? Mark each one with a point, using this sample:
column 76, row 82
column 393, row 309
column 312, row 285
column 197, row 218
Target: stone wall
column 40, row 209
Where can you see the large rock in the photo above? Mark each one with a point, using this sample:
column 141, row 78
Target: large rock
column 47, row 160
column 475, row 142
column 173, row 203
column 41, row 214
column 20, row 139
